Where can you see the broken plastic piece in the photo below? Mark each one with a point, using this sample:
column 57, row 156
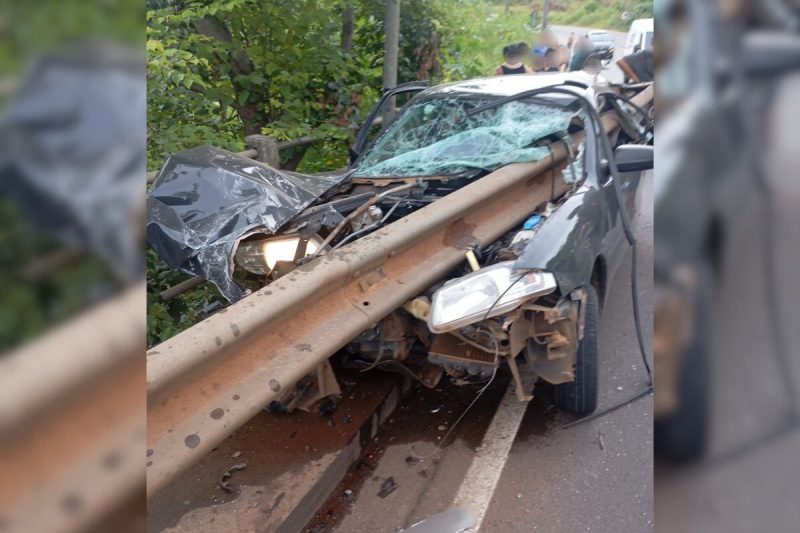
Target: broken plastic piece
column 226, row 475
column 532, row 222
column 453, row 520
column 388, row 487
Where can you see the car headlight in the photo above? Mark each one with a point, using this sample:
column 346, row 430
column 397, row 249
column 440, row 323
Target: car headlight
column 260, row 257
column 495, row 290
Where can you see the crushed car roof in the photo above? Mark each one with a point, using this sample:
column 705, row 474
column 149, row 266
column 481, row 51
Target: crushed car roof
column 515, row 84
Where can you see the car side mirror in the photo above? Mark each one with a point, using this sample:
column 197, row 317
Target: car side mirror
column 634, row 157
column 766, row 54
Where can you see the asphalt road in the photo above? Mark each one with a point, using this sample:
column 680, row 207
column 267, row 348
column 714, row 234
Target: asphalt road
column 596, row 476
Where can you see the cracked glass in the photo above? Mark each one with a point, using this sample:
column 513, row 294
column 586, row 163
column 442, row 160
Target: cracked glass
column 438, row 137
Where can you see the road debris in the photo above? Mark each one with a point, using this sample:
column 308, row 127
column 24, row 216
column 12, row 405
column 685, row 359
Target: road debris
column 453, row 520
column 236, row 454
column 600, row 441
column 223, row 480
column 388, row 487
column 411, row 460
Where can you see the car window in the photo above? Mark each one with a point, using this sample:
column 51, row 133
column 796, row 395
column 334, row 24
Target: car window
column 438, row 137
column 600, row 37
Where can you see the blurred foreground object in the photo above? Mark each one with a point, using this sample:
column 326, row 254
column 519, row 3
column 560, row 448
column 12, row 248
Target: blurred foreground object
column 72, row 160
column 72, row 421
column 72, row 165
column 726, row 370
column 72, row 147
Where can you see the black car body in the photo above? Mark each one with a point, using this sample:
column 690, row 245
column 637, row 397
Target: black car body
column 211, row 212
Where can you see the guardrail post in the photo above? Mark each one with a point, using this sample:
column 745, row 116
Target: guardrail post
column 267, row 149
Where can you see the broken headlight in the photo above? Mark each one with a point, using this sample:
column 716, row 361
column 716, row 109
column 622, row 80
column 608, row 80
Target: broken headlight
column 260, row 257
column 486, row 293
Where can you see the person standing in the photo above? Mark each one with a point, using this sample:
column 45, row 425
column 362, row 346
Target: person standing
column 555, row 60
column 538, row 59
column 638, row 67
column 583, row 47
column 514, row 56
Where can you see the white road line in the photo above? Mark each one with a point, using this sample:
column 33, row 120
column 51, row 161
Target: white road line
column 481, row 480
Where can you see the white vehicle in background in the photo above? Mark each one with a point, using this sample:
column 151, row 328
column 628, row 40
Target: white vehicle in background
column 640, row 36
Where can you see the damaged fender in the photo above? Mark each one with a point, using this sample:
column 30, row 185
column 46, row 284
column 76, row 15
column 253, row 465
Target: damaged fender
column 569, row 240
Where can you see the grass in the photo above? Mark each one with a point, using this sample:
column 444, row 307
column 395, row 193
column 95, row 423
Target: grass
column 600, row 14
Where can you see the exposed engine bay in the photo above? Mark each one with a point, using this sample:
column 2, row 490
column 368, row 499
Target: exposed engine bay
column 417, row 340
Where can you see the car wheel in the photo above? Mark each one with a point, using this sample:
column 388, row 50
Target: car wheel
column 682, row 436
column 580, row 396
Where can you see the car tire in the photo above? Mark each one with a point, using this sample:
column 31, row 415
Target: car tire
column 681, row 437
column 580, row 396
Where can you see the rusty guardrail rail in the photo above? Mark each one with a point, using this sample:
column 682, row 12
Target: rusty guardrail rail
column 72, row 424
column 210, row 379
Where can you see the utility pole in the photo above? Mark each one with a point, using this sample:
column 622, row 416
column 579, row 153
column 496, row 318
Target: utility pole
column 348, row 24
column 392, row 25
column 545, row 14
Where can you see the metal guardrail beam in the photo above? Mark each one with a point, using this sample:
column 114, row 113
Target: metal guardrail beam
column 210, row 379
column 72, row 424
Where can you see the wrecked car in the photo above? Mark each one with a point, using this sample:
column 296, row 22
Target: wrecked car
column 536, row 291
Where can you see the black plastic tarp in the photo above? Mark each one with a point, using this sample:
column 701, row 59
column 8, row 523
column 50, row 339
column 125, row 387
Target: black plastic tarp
column 72, row 151
column 205, row 200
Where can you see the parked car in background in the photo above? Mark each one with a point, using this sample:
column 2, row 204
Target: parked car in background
column 640, row 36
column 603, row 44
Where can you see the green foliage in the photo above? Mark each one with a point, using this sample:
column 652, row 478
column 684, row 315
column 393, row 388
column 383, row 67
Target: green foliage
column 31, row 28
column 165, row 319
column 29, row 305
column 603, row 14
column 473, row 34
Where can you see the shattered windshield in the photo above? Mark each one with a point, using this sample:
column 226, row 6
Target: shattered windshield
column 437, row 137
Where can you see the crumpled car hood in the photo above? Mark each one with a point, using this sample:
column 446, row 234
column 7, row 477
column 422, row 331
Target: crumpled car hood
column 205, row 200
